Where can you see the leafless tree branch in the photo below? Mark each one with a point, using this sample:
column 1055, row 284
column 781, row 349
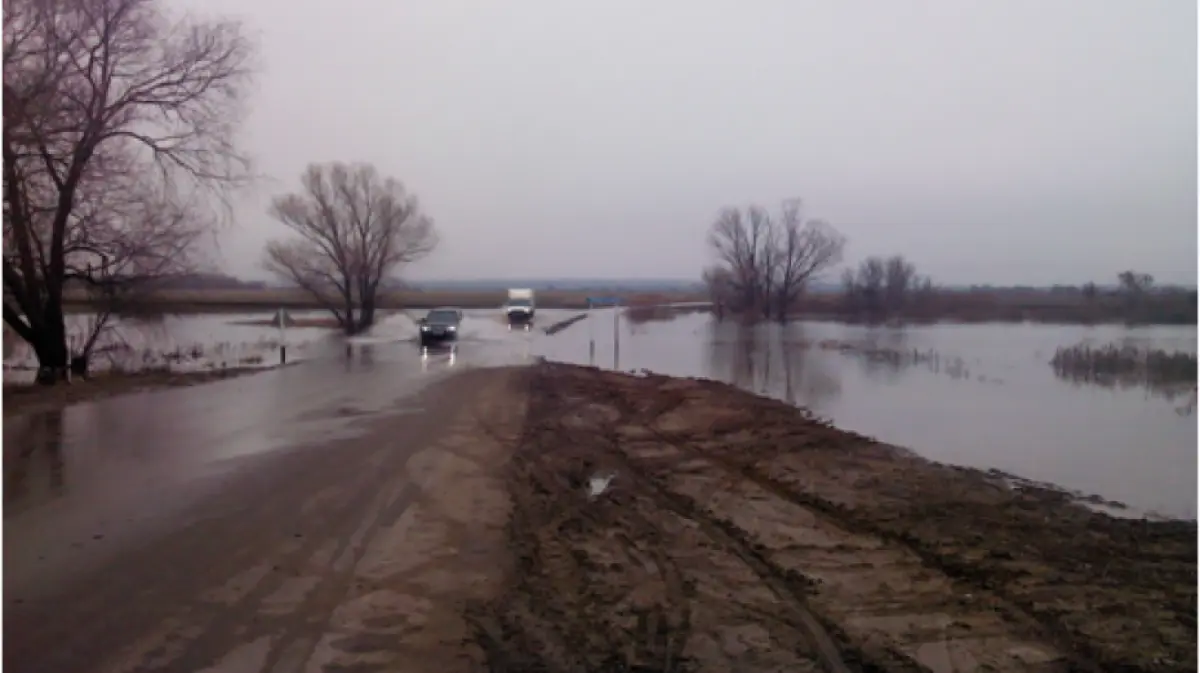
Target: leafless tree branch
column 352, row 228
column 119, row 119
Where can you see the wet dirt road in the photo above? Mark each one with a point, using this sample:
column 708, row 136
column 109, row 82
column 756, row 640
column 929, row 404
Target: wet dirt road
column 297, row 520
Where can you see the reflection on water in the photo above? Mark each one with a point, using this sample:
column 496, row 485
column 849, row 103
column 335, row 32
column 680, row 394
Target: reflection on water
column 151, row 442
column 33, row 457
column 885, row 363
column 979, row 395
column 1183, row 396
column 768, row 359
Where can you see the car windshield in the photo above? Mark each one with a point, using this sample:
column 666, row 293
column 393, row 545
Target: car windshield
column 519, row 302
column 442, row 317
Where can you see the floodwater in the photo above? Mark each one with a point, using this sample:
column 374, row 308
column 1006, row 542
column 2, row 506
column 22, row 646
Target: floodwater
column 120, row 467
column 978, row 395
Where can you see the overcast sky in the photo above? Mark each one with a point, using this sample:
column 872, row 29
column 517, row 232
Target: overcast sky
column 997, row 141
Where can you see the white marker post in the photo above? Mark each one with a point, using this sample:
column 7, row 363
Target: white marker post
column 616, row 333
column 591, row 335
column 282, row 318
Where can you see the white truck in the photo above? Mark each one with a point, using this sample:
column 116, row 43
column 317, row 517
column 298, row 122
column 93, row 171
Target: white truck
column 519, row 308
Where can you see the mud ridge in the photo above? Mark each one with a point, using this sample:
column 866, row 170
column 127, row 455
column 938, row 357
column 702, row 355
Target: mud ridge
column 742, row 534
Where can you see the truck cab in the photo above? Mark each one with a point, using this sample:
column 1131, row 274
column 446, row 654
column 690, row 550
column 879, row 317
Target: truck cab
column 520, row 308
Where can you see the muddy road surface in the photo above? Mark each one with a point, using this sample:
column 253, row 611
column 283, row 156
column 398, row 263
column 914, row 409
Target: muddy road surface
column 351, row 549
column 737, row 535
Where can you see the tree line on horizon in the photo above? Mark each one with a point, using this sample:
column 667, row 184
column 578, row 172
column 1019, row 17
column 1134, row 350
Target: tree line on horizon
column 765, row 266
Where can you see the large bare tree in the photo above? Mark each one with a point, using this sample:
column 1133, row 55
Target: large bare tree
column 118, row 118
column 763, row 264
column 804, row 249
column 353, row 228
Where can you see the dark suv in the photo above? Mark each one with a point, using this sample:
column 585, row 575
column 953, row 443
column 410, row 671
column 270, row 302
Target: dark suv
column 439, row 328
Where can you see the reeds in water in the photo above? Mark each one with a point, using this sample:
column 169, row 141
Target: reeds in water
column 1124, row 364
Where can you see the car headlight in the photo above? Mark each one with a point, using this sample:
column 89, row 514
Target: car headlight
column 424, row 328
column 452, row 328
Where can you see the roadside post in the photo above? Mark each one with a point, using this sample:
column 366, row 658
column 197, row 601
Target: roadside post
column 282, row 318
column 616, row 333
column 615, row 303
column 591, row 335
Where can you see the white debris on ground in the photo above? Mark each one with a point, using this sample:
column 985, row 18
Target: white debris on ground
column 599, row 483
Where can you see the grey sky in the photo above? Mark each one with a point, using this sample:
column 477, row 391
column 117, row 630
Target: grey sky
column 998, row 141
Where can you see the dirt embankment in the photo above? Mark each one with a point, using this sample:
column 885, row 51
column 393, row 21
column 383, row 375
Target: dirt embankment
column 738, row 535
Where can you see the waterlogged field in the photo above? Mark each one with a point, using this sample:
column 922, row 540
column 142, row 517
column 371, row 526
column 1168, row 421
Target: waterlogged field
column 981, row 395
column 174, row 342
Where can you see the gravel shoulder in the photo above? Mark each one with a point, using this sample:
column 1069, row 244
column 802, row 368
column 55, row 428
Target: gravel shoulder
column 738, row 534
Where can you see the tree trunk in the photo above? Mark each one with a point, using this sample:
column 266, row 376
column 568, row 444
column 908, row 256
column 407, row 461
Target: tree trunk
column 51, row 346
column 79, row 366
column 366, row 316
column 349, row 319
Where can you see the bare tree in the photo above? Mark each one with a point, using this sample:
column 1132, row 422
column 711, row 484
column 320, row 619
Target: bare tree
column 354, row 228
column 899, row 277
column 743, row 245
column 107, row 101
column 886, row 287
column 720, row 286
column 1134, row 288
column 1134, row 282
column 804, row 250
column 763, row 265
column 872, row 274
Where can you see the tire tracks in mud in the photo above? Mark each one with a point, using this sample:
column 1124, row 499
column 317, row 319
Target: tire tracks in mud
column 1082, row 659
column 565, row 639
column 664, row 633
column 620, row 423
column 642, row 408
column 781, row 582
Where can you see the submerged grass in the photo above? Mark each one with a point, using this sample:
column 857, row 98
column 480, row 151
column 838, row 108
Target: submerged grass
column 1117, row 364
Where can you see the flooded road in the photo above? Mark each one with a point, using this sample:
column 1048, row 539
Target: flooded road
column 977, row 395
column 89, row 486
